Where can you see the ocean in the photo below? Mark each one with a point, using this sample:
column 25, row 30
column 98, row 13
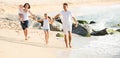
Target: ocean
column 105, row 16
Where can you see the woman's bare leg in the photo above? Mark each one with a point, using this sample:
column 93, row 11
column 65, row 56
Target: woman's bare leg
column 25, row 33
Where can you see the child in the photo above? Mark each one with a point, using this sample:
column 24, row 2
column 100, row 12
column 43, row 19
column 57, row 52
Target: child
column 46, row 26
column 20, row 13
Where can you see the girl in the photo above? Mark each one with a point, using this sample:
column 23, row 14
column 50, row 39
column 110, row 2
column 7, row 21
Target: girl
column 46, row 26
column 25, row 21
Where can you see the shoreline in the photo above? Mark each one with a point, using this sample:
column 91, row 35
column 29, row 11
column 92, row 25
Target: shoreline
column 13, row 44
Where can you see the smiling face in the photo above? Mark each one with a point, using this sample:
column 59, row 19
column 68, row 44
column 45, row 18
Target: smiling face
column 27, row 6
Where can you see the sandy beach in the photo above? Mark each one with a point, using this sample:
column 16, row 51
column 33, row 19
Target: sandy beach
column 13, row 45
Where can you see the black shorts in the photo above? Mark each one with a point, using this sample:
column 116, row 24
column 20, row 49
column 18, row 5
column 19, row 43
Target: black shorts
column 24, row 25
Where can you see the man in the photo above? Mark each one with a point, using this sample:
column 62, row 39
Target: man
column 67, row 24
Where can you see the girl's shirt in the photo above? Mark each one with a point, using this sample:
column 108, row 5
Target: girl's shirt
column 46, row 24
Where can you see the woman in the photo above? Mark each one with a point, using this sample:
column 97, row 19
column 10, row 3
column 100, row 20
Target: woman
column 25, row 21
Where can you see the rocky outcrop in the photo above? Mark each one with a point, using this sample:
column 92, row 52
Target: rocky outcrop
column 100, row 33
column 83, row 30
column 92, row 22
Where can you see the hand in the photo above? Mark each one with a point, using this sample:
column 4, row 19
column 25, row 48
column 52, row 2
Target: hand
column 22, row 21
column 76, row 25
column 34, row 18
column 53, row 18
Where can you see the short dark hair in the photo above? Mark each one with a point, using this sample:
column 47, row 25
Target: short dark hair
column 45, row 13
column 27, row 4
column 65, row 4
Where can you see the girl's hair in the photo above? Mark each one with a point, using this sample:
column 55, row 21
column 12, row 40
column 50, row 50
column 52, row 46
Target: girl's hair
column 49, row 17
column 27, row 4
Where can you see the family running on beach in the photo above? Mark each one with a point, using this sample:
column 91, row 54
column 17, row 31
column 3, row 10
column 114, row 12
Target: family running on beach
column 24, row 11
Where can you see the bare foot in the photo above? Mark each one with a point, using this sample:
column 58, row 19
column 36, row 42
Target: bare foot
column 70, row 46
column 66, row 46
column 26, row 38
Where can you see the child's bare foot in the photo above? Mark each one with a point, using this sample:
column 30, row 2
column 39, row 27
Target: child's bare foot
column 46, row 43
column 26, row 38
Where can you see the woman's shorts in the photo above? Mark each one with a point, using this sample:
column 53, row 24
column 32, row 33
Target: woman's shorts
column 24, row 25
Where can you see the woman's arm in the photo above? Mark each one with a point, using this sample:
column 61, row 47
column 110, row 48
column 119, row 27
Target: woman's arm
column 31, row 13
column 56, row 16
column 32, row 16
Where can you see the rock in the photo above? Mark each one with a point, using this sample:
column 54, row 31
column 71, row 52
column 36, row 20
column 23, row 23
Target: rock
column 56, row 26
column 118, row 24
column 36, row 25
column 100, row 33
column 59, row 35
column 110, row 31
column 92, row 22
column 118, row 30
column 58, row 20
column 82, row 22
column 81, row 30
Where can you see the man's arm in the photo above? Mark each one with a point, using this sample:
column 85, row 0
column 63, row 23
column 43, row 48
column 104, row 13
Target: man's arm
column 76, row 23
column 40, row 20
column 56, row 16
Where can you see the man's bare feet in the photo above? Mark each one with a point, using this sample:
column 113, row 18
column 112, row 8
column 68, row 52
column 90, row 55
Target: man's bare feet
column 70, row 46
column 66, row 46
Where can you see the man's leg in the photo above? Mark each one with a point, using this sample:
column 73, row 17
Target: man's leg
column 65, row 38
column 70, row 38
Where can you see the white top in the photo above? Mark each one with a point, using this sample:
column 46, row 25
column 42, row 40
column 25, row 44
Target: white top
column 66, row 18
column 46, row 24
column 25, row 15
